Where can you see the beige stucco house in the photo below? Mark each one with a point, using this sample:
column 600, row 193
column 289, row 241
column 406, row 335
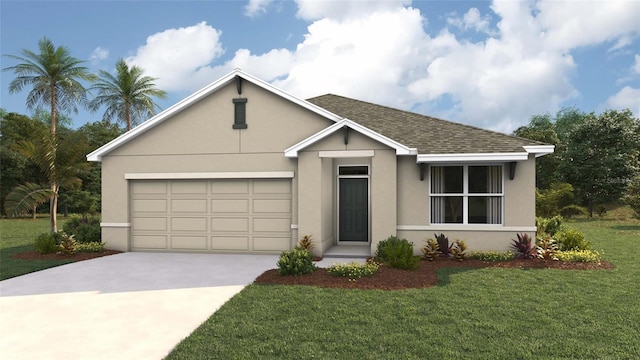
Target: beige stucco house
column 242, row 166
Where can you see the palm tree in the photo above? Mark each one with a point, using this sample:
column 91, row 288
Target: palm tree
column 55, row 77
column 127, row 95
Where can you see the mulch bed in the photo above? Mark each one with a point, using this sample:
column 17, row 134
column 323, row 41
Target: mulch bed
column 34, row 255
column 426, row 275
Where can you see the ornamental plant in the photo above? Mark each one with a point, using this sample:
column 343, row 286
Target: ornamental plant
column 296, row 262
column 546, row 247
column 431, row 250
column 524, row 246
column 443, row 244
column 458, row 249
column 68, row 245
column 397, row 253
column 306, row 243
column 492, row 256
column 354, row 270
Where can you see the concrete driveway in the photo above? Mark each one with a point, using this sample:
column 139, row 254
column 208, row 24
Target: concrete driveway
column 125, row 306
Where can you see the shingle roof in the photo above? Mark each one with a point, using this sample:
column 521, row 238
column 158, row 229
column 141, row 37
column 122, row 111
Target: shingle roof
column 429, row 135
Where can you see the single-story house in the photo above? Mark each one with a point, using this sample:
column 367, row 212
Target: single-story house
column 242, row 166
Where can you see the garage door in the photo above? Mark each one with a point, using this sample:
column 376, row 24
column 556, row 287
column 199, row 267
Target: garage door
column 211, row 215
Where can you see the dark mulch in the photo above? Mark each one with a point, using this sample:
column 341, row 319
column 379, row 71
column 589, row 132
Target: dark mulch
column 34, row 255
column 426, row 275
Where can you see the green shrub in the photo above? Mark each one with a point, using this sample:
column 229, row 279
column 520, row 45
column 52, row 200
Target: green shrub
column 354, row 270
column 549, row 225
column 90, row 247
column 397, row 253
column 590, row 256
column 458, row 249
column 68, row 245
column 492, row 255
column 431, row 250
column 570, row 239
column 573, row 210
column 46, row 244
column 296, row 262
column 83, row 229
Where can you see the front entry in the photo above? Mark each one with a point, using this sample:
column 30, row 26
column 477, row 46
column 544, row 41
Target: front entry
column 353, row 222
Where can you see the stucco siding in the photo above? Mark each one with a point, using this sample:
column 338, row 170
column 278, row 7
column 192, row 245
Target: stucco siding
column 383, row 196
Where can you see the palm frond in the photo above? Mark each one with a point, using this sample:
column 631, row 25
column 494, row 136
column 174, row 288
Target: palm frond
column 23, row 198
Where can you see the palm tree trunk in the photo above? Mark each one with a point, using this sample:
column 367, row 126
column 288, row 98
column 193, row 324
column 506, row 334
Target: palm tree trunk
column 53, row 208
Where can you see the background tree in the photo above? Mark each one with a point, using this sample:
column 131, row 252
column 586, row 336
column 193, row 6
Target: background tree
column 541, row 128
column 127, row 95
column 602, row 157
column 54, row 76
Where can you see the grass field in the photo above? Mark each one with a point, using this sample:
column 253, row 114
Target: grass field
column 18, row 236
column 473, row 314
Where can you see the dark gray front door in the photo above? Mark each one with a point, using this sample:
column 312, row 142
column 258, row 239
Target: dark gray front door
column 354, row 209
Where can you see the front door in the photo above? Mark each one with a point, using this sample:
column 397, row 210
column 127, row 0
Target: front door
column 353, row 209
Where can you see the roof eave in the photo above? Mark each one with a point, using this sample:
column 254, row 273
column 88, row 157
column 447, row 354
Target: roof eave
column 539, row 150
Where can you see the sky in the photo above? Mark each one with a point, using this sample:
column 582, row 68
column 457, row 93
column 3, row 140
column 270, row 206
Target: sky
column 488, row 64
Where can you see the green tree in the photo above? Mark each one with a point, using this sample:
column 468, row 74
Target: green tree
column 632, row 197
column 55, row 78
column 541, row 128
column 602, row 157
column 127, row 95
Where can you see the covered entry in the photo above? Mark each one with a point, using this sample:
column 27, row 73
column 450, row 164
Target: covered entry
column 353, row 204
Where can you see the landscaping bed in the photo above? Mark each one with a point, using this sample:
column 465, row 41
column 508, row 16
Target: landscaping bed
column 34, row 255
column 425, row 276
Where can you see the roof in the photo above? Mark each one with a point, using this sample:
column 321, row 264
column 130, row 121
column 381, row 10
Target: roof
column 427, row 134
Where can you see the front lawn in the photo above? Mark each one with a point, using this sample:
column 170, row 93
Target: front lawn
column 17, row 236
column 489, row 313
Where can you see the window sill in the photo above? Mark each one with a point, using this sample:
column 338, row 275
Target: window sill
column 462, row 227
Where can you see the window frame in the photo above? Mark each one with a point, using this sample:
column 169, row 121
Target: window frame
column 466, row 194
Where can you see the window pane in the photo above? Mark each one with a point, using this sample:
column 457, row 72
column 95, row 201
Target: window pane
column 485, row 210
column 353, row 170
column 446, row 210
column 446, row 180
column 485, row 179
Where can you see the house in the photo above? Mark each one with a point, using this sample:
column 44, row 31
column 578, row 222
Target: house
column 242, row 166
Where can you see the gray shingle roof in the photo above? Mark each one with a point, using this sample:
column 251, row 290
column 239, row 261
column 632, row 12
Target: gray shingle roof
column 429, row 135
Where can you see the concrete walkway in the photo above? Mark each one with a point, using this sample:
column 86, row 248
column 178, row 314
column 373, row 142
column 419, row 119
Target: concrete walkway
column 125, row 306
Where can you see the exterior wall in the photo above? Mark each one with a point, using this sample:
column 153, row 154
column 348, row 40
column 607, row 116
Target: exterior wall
column 383, row 196
column 201, row 139
column 414, row 215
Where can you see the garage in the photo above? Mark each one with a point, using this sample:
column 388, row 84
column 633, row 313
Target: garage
column 236, row 215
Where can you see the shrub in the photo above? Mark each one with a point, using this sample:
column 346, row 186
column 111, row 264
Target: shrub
column 570, row 239
column 524, row 247
column 548, row 225
column 306, row 243
column 443, row 244
column 90, row 247
column 354, row 270
column 579, row 256
column 296, row 262
column 397, row 253
column 431, row 250
column 458, row 249
column 492, row 255
column 68, row 245
column 546, row 247
column 46, row 244
column 84, row 229
column 573, row 210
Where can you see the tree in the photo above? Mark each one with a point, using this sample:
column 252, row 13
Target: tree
column 602, row 156
column 632, row 197
column 541, row 128
column 127, row 95
column 54, row 76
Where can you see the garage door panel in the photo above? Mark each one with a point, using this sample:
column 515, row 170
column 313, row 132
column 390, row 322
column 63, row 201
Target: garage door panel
column 150, row 223
column 271, row 225
column 230, row 224
column 270, row 243
column 189, row 187
column 189, row 206
column 237, row 243
column 272, row 205
column 220, row 206
column 189, row 224
column 151, row 242
column 149, row 205
column 211, row 215
column 189, row 242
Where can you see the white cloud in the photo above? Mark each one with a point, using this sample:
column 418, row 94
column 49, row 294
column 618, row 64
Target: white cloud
column 341, row 10
column 626, row 98
column 472, row 20
column 98, row 55
column 180, row 58
column 256, row 7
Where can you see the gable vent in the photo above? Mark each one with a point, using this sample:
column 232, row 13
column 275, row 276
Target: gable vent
column 240, row 114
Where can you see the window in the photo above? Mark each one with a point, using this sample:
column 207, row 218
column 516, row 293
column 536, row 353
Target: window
column 466, row 194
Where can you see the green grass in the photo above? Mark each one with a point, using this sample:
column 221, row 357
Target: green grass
column 472, row 314
column 18, row 235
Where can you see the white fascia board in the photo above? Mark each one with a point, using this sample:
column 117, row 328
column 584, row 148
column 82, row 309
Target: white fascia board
column 292, row 152
column 540, row 150
column 346, row 153
column 466, row 158
column 211, row 175
column 197, row 96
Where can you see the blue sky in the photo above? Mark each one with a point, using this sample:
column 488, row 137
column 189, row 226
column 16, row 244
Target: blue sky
column 488, row 64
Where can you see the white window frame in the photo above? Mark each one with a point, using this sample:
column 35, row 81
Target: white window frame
column 465, row 195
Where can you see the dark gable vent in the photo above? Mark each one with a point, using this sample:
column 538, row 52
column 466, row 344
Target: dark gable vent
column 240, row 114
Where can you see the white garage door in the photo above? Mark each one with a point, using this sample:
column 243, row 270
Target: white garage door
column 211, row 215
